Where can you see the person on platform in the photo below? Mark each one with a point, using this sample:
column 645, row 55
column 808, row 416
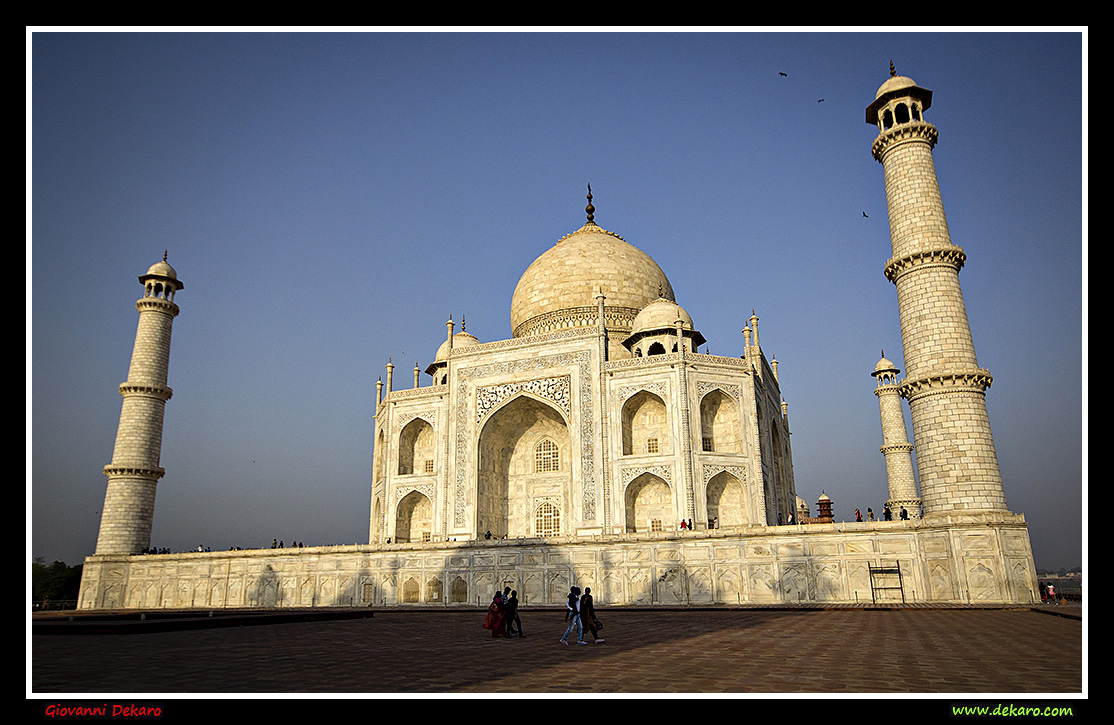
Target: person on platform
column 496, row 617
column 572, row 616
column 588, row 615
column 514, row 624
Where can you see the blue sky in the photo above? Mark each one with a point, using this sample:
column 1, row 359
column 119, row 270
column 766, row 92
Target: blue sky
column 329, row 199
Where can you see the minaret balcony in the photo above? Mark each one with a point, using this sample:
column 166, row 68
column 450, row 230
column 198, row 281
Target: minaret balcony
column 921, row 131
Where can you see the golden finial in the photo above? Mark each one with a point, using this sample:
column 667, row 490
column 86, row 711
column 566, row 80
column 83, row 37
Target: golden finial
column 590, row 209
column 892, row 71
column 164, row 255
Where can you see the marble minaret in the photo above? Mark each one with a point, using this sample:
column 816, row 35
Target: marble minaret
column 946, row 389
column 895, row 447
column 129, row 503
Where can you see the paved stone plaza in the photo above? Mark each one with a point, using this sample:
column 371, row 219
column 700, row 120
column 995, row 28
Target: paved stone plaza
column 850, row 650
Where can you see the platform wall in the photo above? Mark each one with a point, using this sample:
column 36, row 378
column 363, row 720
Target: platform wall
column 973, row 559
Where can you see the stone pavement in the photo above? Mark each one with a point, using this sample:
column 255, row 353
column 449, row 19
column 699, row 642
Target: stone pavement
column 835, row 650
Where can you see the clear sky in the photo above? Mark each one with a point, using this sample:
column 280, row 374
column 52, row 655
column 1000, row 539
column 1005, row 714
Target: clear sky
column 330, row 199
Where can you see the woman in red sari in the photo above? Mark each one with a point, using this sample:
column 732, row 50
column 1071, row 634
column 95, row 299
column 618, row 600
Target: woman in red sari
column 496, row 618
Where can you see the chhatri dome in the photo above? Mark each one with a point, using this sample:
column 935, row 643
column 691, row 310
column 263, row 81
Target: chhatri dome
column 661, row 314
column 894, row 87
column 884, row 365
column 460, row 339
column 161, row 270
column 560, row 288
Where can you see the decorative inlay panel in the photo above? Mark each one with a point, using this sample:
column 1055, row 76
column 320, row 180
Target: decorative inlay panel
column 426, row 489
column 617, row 319
column 429, row 416
column 430, row 390
column 659, row 389
column 704, row 387
column 663, row 472
column 710, row 470
column 556, row 390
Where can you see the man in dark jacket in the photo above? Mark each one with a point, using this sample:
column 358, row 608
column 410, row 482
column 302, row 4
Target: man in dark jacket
column 514, row 624
column 588, row 614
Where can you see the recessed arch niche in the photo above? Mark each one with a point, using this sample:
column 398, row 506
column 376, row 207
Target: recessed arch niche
column 720, row 428
column 726, row 497
column 648, row 501
column 510, row 479
column 415, row 448
column 413, row 518
column 645, row 425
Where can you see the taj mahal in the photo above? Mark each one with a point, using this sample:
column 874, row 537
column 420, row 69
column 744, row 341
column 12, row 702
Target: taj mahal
column 597, row 446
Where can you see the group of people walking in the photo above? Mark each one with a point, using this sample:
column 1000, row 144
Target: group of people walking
column 502, row 614
column 580, row 613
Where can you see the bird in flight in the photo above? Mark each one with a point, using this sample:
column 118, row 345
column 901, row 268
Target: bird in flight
column 783, row 74
column 821, row 100
column 864, row 214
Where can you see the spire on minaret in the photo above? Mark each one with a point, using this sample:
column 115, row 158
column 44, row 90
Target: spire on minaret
column 590, row 209
column 892, row 74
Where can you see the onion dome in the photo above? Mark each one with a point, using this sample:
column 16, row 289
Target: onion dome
column 560, row 289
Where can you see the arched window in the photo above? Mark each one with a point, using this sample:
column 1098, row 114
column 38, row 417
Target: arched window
column 547, row 520
column 656, row 349
column 547, row 456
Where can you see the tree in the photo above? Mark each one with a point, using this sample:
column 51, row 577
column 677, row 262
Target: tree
column 54, row 582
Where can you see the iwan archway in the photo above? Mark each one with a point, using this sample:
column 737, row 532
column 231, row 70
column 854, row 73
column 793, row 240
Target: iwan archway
column 525, row 471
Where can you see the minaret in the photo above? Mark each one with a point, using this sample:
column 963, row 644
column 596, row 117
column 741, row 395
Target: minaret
column 129, row 503
column 895, row 442
column 944, row 384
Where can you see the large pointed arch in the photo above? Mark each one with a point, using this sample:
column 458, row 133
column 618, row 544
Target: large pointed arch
column 521, row 433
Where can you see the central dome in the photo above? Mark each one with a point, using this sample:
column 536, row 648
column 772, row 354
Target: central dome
column 559, row 289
